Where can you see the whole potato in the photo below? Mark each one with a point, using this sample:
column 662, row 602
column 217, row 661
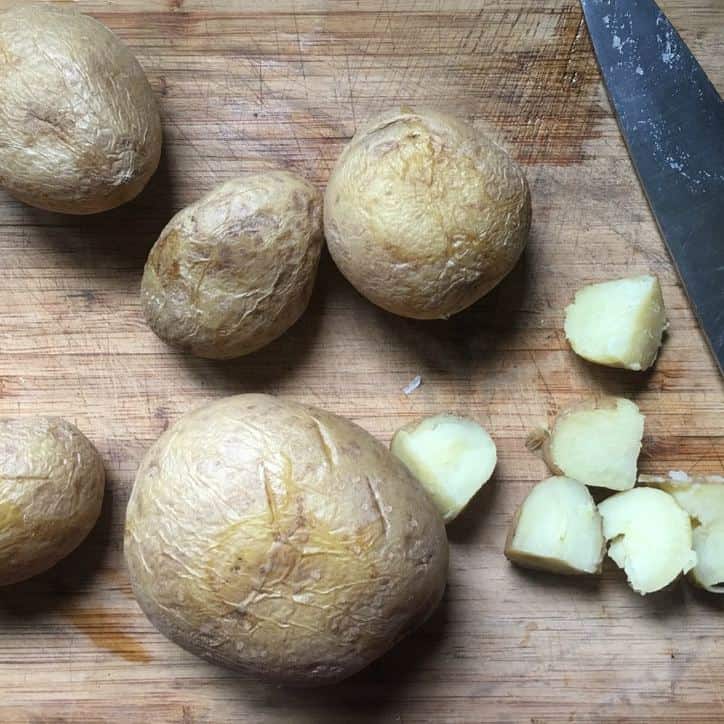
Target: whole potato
column 424, row 215
column 79, row 127
column 281, row 540
column 235, row 270
column 51, row 490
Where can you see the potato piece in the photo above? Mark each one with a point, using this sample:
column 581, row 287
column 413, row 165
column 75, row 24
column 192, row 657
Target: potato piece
column 557, row 528
column 51, row 490
column 618, row 323
column 234, row 270
column 651, row 537
column 281, row 540
column 452, row 457
column 424, row 215
column 597, row 441
column 79, row 124
column 703, row 499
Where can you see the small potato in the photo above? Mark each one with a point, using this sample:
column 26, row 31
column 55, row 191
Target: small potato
column 452, row 457
column 51, row 490
column 650, row 536
column 596, row 441
column 557, row 528
column 281, row 540
column 703, row 499
column 618, row 323
column 79, row 126
column 424, row 215
column 235, row 270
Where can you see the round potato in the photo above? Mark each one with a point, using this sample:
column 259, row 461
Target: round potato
column 424, row 215
column 281, row 540
column 79, row 126
column 235, row 270
column 51, row 490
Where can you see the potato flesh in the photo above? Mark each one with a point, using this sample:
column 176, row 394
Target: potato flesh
column 618, row 323
column 709, row 547
column 651, row 537
column 598, row 445
column 452, row 457
column 558, row 528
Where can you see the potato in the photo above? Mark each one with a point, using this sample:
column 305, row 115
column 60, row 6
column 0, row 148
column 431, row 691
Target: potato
column 424, row 215
column 79, row 126
column 650, row 537
column 557, row 528
column 703, row 499
column 281, row 540
column 51, row 490
column 618, row 323
column 452, row 457
column 235, row 270
column 596, row 441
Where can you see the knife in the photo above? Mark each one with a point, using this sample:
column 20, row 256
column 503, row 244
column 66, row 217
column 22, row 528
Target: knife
column 672, row 120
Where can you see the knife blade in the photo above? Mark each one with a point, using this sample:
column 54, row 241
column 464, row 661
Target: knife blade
column 672, row 120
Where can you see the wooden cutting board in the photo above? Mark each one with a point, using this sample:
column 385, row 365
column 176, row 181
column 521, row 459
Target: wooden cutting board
column 247, row 85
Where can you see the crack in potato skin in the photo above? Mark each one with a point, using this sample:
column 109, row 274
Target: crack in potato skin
column 233, row 271
column 281, row 540
column 424, row 215
column 80, row 130
column 51, row 491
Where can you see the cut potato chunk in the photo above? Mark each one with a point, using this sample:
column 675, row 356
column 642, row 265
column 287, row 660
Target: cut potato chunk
column 703, row 499
column 451, row 456
column 618, row 323
column 651, row 537
column 597, row 441
column 557, row 528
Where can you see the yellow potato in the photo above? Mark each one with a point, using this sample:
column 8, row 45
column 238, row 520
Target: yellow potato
column 79, row 126
column 424, row 214
column 51, row 490
column 281, row 540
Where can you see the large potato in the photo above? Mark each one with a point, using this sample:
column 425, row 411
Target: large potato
column 79, row 127
column 235, row 270
column 51, row 490
column 424, row 215
column 281, row 540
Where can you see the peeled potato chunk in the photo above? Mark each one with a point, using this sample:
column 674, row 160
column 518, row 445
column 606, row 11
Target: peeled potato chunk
column 651, row 537
column 452, row 457
column 597, row 441
column 703, row 499
column 618, row 323
column 557, row 528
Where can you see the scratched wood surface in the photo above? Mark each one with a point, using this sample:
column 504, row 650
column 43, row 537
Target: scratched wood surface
column 249, row 85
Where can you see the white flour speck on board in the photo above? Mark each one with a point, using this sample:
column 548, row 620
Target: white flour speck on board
column 639, row 70
column 412, row 385
column 616, row 42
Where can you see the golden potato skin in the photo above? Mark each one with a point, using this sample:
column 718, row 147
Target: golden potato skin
column 80, row 130
column 281, row 540
column 424, row 215
column 235, row 270
column 51, row 490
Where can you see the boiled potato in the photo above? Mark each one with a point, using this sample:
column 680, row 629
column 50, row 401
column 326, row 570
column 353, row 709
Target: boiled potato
column 235, row 270
column 703, row 499
column 618, row 323
column 650, row 537
column 451, row 456
column 596, row 441
column 557, row 528
column 79, row 127
column 51, row 490
column 424, row 215
column 281, row 540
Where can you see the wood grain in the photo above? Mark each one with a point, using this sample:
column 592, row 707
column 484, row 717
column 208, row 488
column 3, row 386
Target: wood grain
column 246, row 85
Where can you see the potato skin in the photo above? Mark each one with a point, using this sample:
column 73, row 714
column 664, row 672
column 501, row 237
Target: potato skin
column 80, row 130
column 51, row 490
column 234, row 270
column 424, row 215
column 281, row 540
